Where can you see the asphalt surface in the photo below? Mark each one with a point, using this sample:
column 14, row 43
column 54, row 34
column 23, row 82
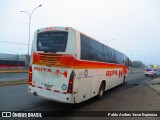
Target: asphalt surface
column 134, row 96
column 12, row 76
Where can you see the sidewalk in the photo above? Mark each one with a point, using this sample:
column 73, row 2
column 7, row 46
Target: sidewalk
column 154, row 84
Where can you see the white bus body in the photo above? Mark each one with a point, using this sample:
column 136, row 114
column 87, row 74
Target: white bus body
column 63, row 68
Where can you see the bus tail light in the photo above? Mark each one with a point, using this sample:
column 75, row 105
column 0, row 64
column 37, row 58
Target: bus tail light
column 30, row 76
column 70, row 84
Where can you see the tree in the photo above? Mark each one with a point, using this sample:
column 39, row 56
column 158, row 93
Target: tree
column 137, row 64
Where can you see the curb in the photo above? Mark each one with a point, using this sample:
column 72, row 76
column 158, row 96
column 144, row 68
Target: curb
column 18, row 82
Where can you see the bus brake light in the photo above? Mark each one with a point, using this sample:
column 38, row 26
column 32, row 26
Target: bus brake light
column 30, row 76
column 70, row 84
column 66, row 28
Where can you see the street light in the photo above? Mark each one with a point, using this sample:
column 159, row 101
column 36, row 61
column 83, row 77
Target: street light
column 17, row 56
column 30, row 15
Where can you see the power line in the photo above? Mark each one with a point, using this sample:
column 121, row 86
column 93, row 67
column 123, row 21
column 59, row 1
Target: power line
column 11, row 20
column 16, row 21
column 9, row 42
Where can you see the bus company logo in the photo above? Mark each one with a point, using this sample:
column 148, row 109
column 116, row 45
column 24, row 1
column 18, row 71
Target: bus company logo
column 64, row 87
column 111, row 73
column 42, row 69
column 86, row 73
column 57, row 72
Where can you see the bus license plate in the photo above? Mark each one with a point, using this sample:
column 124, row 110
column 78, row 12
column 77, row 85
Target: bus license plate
column 48, row 86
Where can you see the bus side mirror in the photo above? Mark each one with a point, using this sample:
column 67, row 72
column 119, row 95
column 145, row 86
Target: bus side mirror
column 130, row 63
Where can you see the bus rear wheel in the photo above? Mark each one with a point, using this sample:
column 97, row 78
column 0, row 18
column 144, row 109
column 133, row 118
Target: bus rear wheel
column 101, row 90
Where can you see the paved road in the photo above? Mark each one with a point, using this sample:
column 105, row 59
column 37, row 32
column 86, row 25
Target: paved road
column 134, row 96
column 12, row 76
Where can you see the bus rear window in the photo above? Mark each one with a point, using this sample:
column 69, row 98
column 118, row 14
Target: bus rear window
column 52, row 41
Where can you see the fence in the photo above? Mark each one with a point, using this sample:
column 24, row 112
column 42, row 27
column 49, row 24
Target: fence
column 13, row 62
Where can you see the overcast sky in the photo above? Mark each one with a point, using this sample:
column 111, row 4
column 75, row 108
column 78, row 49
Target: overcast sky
column 131, row 26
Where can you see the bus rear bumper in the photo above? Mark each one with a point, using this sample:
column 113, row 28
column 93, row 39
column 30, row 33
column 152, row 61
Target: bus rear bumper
column 49, row 94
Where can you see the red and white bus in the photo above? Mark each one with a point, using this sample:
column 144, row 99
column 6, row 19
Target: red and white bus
column 69, row 66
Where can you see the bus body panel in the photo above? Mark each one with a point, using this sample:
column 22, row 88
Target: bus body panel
column 52, row 71
column 47, row 77
column 88, row 85
column 59, row 97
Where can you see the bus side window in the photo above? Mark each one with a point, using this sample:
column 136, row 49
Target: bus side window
column 85, row 49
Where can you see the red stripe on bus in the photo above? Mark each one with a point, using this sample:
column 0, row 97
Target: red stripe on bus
column 40, row 87
column 56, row 90
column 68, row 61
column 48, row 88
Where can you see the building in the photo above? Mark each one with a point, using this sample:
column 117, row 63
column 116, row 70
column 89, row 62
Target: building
column 12, row 60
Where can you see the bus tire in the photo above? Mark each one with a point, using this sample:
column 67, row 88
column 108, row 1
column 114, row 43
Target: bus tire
column 101, row 90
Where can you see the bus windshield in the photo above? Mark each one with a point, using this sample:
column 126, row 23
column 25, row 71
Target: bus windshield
column 52, row 41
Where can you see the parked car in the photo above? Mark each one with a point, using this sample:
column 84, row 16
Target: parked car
column 151, row 72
